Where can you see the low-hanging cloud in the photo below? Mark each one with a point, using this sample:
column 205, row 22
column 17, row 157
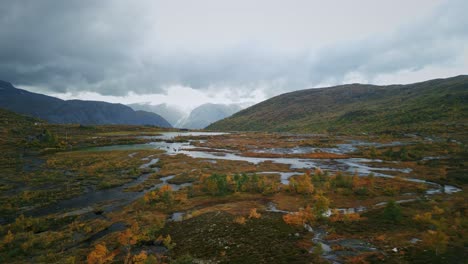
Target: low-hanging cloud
column 113, row 47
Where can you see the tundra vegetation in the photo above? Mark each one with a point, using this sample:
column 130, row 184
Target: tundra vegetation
column 171, row 207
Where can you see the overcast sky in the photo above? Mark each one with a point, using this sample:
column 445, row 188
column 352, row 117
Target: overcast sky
column 187, row 53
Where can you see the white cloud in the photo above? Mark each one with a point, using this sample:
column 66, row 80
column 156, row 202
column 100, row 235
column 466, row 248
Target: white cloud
column 184, row 98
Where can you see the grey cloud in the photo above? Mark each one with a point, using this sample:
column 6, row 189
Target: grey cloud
column 70, row 46
column 66, row 44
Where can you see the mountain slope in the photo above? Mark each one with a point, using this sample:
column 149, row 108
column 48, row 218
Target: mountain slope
column 73, row 111
column 170, row 113
column 206, row 114
column 358, row 107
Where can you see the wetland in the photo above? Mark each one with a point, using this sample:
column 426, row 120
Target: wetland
column 148, row 195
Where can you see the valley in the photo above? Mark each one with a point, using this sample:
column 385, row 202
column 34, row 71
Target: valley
column 234, row 132
column 98, row 194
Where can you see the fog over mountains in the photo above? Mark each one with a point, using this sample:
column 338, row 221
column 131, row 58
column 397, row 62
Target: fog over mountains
column 171, row 113
column 206, row 114
column 56, row 110
column 198, row 118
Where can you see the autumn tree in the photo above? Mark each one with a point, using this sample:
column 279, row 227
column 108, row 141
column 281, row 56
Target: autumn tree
column 302, row 184
column 253, row 183
column 100, row 255
column 320, row 206
column 268, row 187
column 320, row 178
column 305, row 185
column 127, row 239
column 163, row 194
column 239, row 181
column 166, row 241
column 436, row 241
column 216, row 184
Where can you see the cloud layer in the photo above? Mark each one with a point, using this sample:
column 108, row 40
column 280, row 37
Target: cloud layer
column 236, row 49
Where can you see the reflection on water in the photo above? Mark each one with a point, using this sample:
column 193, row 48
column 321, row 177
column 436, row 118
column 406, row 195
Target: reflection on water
column 361, row 166
column 172, row 135
column 108, row 199
column 117, row 197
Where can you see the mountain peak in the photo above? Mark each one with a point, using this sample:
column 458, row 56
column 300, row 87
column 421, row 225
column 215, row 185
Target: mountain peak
column 6, row 85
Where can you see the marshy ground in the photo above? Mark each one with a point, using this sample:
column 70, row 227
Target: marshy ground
column 145, row 195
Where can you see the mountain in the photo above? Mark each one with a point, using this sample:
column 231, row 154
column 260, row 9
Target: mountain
column 56, row 110
column 170, row 113
column 206, row 114
column 433, row 105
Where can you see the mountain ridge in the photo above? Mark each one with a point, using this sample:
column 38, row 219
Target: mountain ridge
column 56, row 110
column 356, row 108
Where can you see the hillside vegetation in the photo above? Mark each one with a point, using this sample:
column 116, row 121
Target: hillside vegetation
column 433, row 106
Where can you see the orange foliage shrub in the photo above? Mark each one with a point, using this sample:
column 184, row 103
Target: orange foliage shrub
column 382, row 237
column 9, row 237
column 336, row 216
column 140, row 258
column 254, row 214
column 127, row 238
column 100, row 255
column 425, row 218
column 299, row 218
column 293, row 219
column 239, row 220
column 162, row 194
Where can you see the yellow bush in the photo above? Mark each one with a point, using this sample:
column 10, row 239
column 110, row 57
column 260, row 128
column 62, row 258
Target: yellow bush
column 239, row 220
column 254, row 214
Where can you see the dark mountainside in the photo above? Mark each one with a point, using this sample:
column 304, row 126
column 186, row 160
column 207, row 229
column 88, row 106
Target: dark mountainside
column 73, row 111
column 431, row 106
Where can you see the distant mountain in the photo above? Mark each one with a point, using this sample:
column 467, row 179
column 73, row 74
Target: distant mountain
column 56, row 110
column 434, row 105
column 170, row 113
column 206, row 114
